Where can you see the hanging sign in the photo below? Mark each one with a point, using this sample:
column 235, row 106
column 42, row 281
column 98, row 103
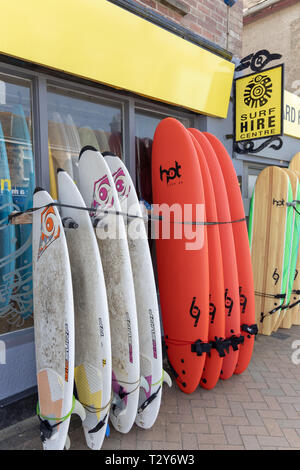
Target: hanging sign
column 291, row 117
column 259, row 105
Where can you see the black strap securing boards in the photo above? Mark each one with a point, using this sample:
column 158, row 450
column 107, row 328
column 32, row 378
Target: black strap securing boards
column 235, row 341
column 270, row 296
column 221, row 345
column 274, row 310
column 94, row 210
column 199, row 347
column 250, row 329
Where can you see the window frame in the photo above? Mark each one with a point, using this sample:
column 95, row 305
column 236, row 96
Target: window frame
column 129, row 102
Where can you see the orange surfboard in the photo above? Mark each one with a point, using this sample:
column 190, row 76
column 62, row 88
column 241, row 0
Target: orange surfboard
column 216, row 332
column 230, row 272
column 182, row 257
column 243, row 256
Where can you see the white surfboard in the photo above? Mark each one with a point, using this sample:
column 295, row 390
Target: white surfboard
column 97, row 188
column 92, row 330
column 145, row 294
column 53, row 322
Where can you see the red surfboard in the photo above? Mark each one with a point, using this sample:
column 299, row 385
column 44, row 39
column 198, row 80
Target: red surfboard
column 231, row 285
column 216, row 331
column 243, row 257
column 182, row 257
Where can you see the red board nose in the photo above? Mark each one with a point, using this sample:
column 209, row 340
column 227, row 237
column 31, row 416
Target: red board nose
column 182, row 258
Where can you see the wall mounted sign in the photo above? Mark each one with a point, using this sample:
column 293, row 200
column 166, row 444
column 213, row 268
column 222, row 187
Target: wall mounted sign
column 291, row 114
column 259, row 105
column 257, row 61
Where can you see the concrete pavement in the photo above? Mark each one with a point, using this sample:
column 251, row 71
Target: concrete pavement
column 259, row 409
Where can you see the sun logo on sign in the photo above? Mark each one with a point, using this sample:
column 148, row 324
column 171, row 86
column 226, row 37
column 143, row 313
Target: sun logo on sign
column 258, row 91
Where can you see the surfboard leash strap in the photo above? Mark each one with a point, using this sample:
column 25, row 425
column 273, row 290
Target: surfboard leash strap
column 281, row 306
column 98, row 425
column 294, row 304
column 271, row 296
column 46, row 428
column 149, row 400
column 104, row 212
column 293, row 205
column 274, row 310
column 154, row 395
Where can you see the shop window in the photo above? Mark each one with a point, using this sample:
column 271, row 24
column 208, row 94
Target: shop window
column 145, row 125
column 253, row 173
column 17, row 182
column 251, row 183
column 76, row 120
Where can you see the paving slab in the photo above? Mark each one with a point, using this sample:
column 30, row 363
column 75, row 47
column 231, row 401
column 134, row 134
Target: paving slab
column 257, row 410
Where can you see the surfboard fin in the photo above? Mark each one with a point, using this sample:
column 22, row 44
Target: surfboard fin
column 67, row 443
column 118, row 405
column 144, row 384
column 167, row 379
column 79, row 411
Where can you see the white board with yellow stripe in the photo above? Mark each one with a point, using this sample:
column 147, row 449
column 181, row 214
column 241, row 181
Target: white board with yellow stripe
column 93, row 370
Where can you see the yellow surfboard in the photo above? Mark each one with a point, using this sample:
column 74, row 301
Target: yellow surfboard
column 270, row 240
column 295, row 162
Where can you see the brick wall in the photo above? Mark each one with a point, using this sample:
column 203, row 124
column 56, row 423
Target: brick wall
column 211, row 19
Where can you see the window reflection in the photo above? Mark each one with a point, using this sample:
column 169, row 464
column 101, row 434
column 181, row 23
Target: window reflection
column 251, row 183
column 76, row 120
column 146, row 124
column 16, row 190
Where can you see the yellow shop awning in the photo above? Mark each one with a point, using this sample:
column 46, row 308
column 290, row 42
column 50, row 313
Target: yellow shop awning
column 99, row 41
